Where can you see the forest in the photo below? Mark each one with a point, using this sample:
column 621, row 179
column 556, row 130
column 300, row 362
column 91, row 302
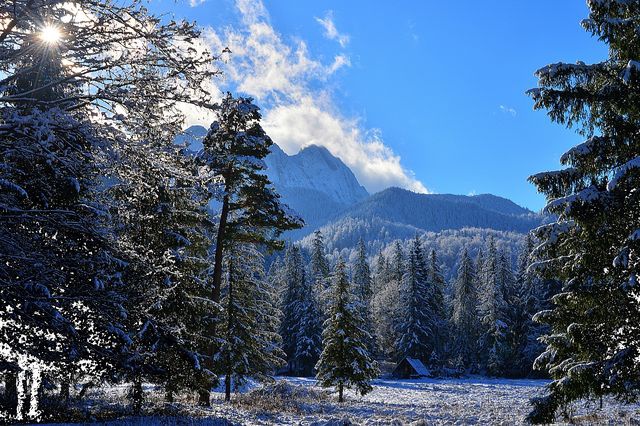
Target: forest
column 141, row 279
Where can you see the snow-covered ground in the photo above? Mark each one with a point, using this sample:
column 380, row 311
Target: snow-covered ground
column 470, row 401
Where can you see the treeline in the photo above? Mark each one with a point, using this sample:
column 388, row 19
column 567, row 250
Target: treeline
column 478, row 322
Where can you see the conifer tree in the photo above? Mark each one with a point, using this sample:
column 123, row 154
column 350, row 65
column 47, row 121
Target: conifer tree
column 250, row 345
column 319, row 269
column 295, row 284
column 465, row 319
column 436, row 296
column 384, row 308
column 345, row 362
column 417, row 323
column 251, row 211
column 362, row 284
column 592, row 348
column 493, row 347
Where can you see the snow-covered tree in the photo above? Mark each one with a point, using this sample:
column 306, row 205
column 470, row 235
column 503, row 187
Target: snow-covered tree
column 417, row 322
column 251, row 211
column 493, row 347
column 345, row 361
column 319, row 269
column 436, row 296
column 384, row 308
column 250, row 343
column 73, row 76
column 362, row 289
column 465, row 319
column 593, row 345
column 294, row 280
column 301, row 326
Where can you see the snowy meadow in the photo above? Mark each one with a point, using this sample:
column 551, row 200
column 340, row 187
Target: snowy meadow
column 299, row 401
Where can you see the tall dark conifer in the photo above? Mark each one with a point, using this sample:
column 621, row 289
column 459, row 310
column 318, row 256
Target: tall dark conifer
column 593, row 245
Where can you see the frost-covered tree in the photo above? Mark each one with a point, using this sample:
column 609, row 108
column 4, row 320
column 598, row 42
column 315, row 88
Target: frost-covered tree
column 493, row 347
column 73, row 76
column 309, row 335
column 465, row 319
column 250, row 344
column 319, row 269
column 345, row 361
column 362, row 275
column 251, row 211
column 384, row 308
column 294, row 281
column 301, row 326
column 436, row 296
column 593, row 345
column 417, row 322
column 362, row 289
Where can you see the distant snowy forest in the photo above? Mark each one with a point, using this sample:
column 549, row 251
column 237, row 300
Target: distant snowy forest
column 117, row 276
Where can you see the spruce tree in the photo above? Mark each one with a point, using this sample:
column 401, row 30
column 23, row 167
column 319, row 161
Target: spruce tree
column 592, row 348
column 417, row 322
column 319, row 270
column 436, row 296
column 345, row 362
column 250, row 345
column 465, row 319
column 362, row 288
column 493, row 347
column 384, row 308
column 295, row 284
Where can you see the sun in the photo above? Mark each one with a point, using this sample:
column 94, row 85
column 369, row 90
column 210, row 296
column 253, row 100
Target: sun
column 50, row 34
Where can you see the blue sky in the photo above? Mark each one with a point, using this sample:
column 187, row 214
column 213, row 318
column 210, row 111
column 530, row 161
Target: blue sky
column 427, row 95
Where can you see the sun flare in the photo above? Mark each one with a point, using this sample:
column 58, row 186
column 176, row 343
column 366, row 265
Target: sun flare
column 50, row 34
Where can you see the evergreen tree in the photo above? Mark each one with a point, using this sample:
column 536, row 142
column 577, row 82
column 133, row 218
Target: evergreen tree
column 250, row 345
column 362, row 284
column 465, row 318
column 295, row 284
column 301, row 327
column 592, row 348
column 493, row 345
column 436, row 296
column 251, row 211
column 345, row 362
column 384, row 308
column 309, row 336
column 362, row 275
column 319, row 269
column 417, row 324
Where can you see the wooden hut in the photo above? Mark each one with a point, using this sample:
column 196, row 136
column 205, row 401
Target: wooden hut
column 410, row 368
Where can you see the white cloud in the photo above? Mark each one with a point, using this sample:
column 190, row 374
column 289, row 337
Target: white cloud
column 283, row 76
column 330, row 30
column 194, row 3
column 508, row 110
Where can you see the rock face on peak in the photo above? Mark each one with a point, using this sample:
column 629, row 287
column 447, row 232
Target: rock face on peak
column 315, row 168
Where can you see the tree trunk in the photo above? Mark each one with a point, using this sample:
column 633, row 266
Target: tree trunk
column 204, row 397
column 11, row 392
column 219, row 255
column 227, row 386
column 168, row 397
column 340, row 393
column 137, row 394
column 227, row 379
column 65, row 390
